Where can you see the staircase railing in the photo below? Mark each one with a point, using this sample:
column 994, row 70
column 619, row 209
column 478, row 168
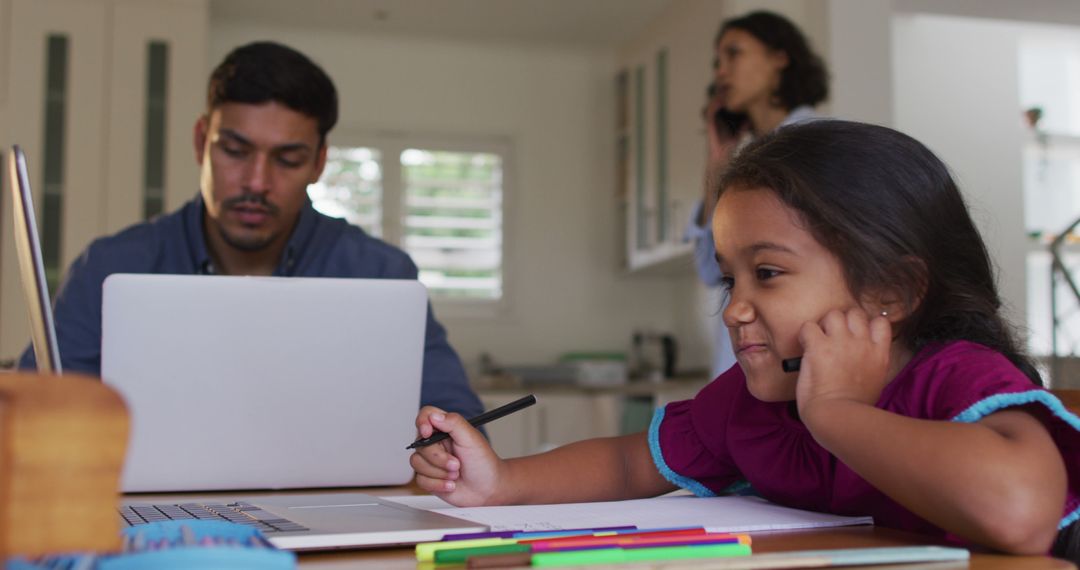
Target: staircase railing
column 1058, row 271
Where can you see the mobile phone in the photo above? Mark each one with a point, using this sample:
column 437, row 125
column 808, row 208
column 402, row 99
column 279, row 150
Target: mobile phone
column 729, row 121
column 726, row 121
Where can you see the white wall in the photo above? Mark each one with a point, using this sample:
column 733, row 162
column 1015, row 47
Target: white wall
column 565, row 289
column 859, row 54
column 956, row 91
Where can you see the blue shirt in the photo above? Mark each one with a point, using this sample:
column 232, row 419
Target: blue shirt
column 320, row 246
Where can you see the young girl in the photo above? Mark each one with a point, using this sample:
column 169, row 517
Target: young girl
column 847, row 245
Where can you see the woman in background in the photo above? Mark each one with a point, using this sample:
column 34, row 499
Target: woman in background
column 766, row 78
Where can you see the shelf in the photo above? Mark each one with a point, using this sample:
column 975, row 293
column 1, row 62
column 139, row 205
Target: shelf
column 666, row 259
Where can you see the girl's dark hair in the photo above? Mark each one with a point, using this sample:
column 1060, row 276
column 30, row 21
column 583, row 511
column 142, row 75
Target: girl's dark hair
column 805, row 81
column 261, row 72
column 888, row 209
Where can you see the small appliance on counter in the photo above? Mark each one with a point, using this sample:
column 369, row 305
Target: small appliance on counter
column 592, row 369
column 654, row 356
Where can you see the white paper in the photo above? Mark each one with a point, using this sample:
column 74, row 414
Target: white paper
column 716, row 514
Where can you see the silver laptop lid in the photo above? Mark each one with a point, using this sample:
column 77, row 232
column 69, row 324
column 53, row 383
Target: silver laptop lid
column 264, row 382
column 31, row 266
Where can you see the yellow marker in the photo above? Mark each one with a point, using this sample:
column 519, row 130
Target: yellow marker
column 425, row 551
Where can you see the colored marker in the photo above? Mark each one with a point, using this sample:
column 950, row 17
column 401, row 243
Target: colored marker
column 863, row 556
column 624, row 537
column 623, row 555
column 534, row 533
column 426, row 551
column 609, row 556
column 641, row 542
column 460, row 555
column 479, row 420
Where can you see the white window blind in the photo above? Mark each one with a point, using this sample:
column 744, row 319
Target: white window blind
column 351, row 187
column 450, row 204
column 453, row 220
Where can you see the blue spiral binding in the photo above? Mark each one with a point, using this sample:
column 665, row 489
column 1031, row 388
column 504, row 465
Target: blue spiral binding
column 176, row 545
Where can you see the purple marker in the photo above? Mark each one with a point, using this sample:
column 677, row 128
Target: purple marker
column 534, row 533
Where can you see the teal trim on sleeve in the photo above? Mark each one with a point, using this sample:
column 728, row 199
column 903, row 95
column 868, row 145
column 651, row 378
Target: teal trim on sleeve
column 658, row 459
column 1069, row 519
column 998, row 402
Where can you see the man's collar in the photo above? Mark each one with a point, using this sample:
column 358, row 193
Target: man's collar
column 299, row 240
column 193, row 220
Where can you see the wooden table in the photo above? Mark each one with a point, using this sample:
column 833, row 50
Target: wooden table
column 846, row 537
column 849, row 537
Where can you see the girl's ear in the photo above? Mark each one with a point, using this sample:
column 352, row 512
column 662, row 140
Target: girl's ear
column 898, row 302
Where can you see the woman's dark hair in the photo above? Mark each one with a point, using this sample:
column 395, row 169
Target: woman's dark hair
column 805, row 81
column 888, row 209
column 260, row 72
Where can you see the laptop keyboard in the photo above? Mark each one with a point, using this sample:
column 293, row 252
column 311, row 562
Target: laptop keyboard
column 239, row 512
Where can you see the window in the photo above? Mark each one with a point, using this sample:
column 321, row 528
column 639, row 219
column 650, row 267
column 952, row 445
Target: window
column 351, row 187
column 443, row 204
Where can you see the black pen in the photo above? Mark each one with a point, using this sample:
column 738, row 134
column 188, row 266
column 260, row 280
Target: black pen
column 791, row 364
column 479, row 420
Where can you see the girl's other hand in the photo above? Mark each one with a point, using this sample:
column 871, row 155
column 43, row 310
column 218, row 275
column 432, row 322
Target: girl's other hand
column 463, row 469
column 845, row 357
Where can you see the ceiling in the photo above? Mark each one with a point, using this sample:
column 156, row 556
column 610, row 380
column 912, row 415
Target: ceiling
column 580, row 23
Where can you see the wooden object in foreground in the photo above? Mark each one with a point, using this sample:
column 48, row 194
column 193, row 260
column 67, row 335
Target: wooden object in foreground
column 1069, row 398
column 62, row 445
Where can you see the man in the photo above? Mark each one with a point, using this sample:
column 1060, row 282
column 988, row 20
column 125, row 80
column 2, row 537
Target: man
column 260, row 144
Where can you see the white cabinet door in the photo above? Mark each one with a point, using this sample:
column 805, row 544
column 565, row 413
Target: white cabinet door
column 667, row 70
column 101, row 156
column 557, row 418
column 80, row 26
column 180, row 26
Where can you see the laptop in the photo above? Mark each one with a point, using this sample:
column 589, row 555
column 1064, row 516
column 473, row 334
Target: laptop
column 319, row 439
column 31, row 266
column 264, row 382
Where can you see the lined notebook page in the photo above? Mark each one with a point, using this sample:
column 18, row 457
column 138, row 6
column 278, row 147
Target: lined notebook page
column 716, row 514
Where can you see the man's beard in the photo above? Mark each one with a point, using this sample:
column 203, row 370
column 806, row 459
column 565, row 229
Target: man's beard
column 252, row 243
column 247, row 243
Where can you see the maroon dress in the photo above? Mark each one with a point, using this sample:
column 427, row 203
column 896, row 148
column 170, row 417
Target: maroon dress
column 726, row 441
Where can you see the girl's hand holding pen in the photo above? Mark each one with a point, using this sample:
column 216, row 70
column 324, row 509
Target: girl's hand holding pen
column 462, row 469
column 846, row 357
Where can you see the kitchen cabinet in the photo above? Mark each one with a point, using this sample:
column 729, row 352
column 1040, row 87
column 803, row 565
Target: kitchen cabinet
column 659, row 91
column 102, row 96
column 565, row 414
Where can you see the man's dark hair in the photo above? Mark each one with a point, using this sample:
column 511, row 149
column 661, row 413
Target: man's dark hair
column 805, row 81
column 262, row 72
column 889, row 210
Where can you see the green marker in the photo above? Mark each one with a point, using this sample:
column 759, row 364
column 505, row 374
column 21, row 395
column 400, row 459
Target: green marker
column 460, row 555
column 425, row 551
column 621, row 555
